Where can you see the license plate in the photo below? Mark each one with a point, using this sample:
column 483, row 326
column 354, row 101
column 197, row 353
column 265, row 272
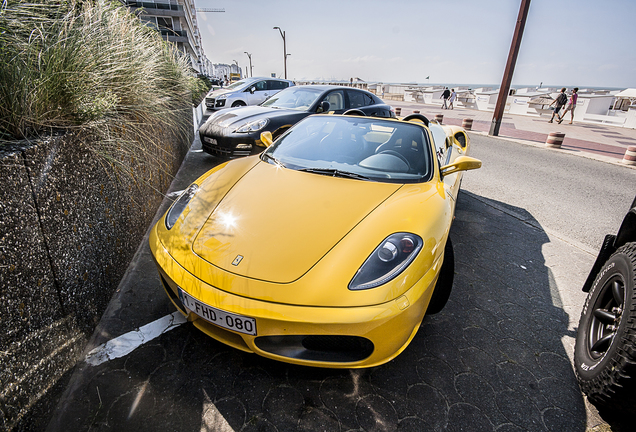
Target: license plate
column 210, row 140
column 237, row 323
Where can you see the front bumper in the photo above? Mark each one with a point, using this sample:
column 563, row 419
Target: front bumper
column 336, row 337
column 213, row 103
column 230, row 146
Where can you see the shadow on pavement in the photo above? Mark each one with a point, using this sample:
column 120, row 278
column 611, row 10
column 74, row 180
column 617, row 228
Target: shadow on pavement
column 491, row 360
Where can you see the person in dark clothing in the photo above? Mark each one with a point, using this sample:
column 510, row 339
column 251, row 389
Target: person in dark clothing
column 558, row 103
column 445, row 96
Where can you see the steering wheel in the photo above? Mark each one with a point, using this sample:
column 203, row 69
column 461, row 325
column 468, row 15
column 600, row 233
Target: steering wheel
column 354, row 111
column 398, row 155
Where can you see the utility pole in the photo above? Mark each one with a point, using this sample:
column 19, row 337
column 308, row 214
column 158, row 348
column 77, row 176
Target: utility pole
column 510, row 68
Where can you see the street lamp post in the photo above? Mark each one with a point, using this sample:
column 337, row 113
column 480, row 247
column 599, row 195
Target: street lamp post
column 282, row 34
column 250, row 57
column 238, row 67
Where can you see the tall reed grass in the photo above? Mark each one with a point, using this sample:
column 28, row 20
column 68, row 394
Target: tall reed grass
column 93, row 68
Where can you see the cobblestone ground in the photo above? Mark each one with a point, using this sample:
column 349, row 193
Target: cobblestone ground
column 493, row 359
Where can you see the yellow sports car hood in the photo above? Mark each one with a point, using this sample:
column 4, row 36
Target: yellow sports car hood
column 275, row 224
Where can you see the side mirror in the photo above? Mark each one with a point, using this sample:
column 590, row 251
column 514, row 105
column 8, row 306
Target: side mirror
column 324, row 107
column 252, row 90
column 267, row 139
column 462, row 163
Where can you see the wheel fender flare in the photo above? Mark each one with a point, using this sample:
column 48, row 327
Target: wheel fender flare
column 626, row 234
column 627, row 231
column 606, row 251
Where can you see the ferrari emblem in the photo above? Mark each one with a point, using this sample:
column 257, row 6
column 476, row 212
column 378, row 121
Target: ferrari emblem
column 237, row 260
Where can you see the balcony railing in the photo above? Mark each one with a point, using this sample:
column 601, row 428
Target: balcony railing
column 168, row 32
column 149, row 5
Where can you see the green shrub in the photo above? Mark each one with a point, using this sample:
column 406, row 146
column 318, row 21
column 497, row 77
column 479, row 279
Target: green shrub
column 201, row 85
column 93, row 68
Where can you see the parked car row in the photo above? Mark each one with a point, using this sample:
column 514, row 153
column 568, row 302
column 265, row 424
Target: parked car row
column 362, row 271
column 236, row 132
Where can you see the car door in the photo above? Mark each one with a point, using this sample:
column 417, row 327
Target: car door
column 336, row 99
column 366, row 103
column 358, row 100
column 446, row 154
column 257, row 92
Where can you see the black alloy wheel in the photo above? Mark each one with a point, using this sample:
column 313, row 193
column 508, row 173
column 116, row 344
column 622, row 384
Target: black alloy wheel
column 605, row 350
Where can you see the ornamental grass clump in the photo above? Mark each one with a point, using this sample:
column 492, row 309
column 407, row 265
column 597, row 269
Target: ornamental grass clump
column 95, row 69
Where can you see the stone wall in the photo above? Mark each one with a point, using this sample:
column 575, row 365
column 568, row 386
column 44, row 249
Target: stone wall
column 69, row 226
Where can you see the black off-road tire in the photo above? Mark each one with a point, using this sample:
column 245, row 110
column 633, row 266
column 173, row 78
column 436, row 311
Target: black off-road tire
column 607, row 374
column 444, row 283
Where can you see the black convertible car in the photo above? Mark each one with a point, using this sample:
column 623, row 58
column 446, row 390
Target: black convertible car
column 236, row 132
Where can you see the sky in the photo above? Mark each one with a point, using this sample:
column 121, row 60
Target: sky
column 584, row 43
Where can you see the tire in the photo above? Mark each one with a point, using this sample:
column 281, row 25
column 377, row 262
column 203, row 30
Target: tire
column 444, row 284
column 238, row 104
column 605, row 350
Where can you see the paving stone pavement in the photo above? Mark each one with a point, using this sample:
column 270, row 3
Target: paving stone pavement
column 496, row 358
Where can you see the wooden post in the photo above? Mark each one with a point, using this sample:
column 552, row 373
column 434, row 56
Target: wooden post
column 510, row 68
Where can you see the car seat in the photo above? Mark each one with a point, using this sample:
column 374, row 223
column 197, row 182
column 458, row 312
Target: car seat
column 335, row 101
column 408, row 144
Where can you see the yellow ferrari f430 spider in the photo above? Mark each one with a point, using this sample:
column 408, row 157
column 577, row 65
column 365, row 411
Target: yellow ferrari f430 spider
column 328, row 248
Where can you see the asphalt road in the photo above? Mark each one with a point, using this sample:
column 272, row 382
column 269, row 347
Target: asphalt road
column 498, row 357
column 570, row 196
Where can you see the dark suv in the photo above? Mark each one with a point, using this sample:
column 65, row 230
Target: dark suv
column 605, row 351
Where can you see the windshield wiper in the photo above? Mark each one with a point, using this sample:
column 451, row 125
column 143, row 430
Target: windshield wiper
column 334, row 173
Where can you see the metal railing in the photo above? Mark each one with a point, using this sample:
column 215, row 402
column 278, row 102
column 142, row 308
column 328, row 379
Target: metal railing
column 169, row 32
column 149, row 5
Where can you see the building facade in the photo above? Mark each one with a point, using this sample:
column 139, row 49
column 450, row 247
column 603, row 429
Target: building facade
column 176, row 20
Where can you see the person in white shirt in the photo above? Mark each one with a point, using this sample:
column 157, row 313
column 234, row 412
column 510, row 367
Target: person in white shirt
column 452, row 98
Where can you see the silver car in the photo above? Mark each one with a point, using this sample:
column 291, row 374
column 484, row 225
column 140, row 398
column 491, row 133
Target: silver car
column 248, row 91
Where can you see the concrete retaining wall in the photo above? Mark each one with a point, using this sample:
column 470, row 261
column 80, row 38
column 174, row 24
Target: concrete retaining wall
column 69, row 225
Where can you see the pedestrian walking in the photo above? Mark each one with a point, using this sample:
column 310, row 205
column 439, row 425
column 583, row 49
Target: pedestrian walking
column 452, row 98
column 558, row 103
column 445, row 95
column 571, row 105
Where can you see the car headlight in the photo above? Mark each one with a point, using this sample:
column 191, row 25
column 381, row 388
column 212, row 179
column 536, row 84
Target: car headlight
column 387, row 261
column 253, row 126
column 180, row 205
column 221, row 97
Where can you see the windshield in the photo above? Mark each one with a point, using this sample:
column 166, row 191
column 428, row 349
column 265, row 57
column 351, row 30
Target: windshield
column 236, row 85
column 296, row 98
column 363, row 148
